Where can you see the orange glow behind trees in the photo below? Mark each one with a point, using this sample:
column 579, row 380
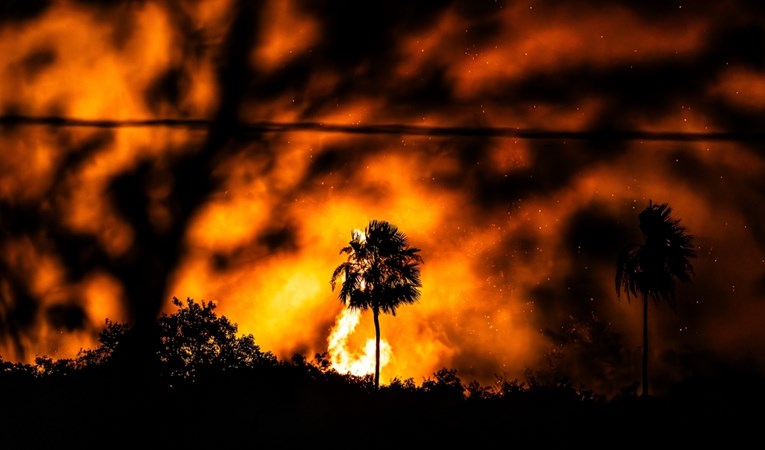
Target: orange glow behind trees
column 519, row 235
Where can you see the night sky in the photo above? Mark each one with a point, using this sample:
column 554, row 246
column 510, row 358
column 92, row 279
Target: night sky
column 226, row 150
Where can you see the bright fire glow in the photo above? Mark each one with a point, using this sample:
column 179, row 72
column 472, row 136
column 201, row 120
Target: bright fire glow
column 517, row 235
column 359, row 235
column 346, row 360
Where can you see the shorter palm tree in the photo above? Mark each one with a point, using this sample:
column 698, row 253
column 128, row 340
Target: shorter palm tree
column 652, row 267
column 381, row 273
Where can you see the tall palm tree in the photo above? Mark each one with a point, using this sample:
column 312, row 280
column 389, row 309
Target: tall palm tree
column 381, row 273
column 652, row 267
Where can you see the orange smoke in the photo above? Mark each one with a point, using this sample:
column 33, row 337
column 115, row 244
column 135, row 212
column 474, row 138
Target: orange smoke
column 517, row 235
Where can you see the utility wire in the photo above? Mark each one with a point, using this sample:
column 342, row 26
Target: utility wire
column 390, row 129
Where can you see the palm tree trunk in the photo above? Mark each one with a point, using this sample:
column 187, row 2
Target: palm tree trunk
column 376, row 315
column 645, row 345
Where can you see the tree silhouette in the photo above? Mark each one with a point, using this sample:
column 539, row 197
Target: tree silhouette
column 193, row 341
column 651, row 268
column 381, row 273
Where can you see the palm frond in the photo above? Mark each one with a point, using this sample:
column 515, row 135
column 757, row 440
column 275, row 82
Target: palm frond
column 349, row 288
column 382, row 270
column 628, row 271
column 653, row 267
column 347, row 249
column 336, row 273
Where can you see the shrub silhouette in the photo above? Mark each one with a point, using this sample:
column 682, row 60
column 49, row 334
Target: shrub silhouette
column 192, row 341
column 217, row 389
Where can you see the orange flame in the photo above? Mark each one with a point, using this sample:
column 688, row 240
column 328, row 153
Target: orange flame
column 264, row 245
column 345, row 360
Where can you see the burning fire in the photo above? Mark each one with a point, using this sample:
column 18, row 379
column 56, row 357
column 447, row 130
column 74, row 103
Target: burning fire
column 345, row 360
column 505, row 225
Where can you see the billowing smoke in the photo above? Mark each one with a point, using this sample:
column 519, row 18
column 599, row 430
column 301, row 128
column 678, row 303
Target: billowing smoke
column 225, row 151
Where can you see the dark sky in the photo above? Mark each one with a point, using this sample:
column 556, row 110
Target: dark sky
column 513, row 142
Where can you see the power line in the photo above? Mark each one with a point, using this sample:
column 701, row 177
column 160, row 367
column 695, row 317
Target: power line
column 390, row 129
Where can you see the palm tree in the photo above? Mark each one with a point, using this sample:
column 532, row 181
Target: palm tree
column 381, row 273
column 651, row 268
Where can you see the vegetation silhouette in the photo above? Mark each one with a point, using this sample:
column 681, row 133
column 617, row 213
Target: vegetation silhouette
column 155, row 252
column 382, row 273
column 214, row 387
column 652, row 267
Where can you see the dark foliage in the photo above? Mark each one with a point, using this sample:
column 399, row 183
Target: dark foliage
column 653, row 267
column 214, row 388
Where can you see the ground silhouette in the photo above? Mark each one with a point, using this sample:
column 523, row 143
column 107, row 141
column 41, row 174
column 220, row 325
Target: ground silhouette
column 212, row 387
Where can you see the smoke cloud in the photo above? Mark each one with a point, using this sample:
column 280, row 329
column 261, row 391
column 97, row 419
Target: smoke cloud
column 407, row 113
